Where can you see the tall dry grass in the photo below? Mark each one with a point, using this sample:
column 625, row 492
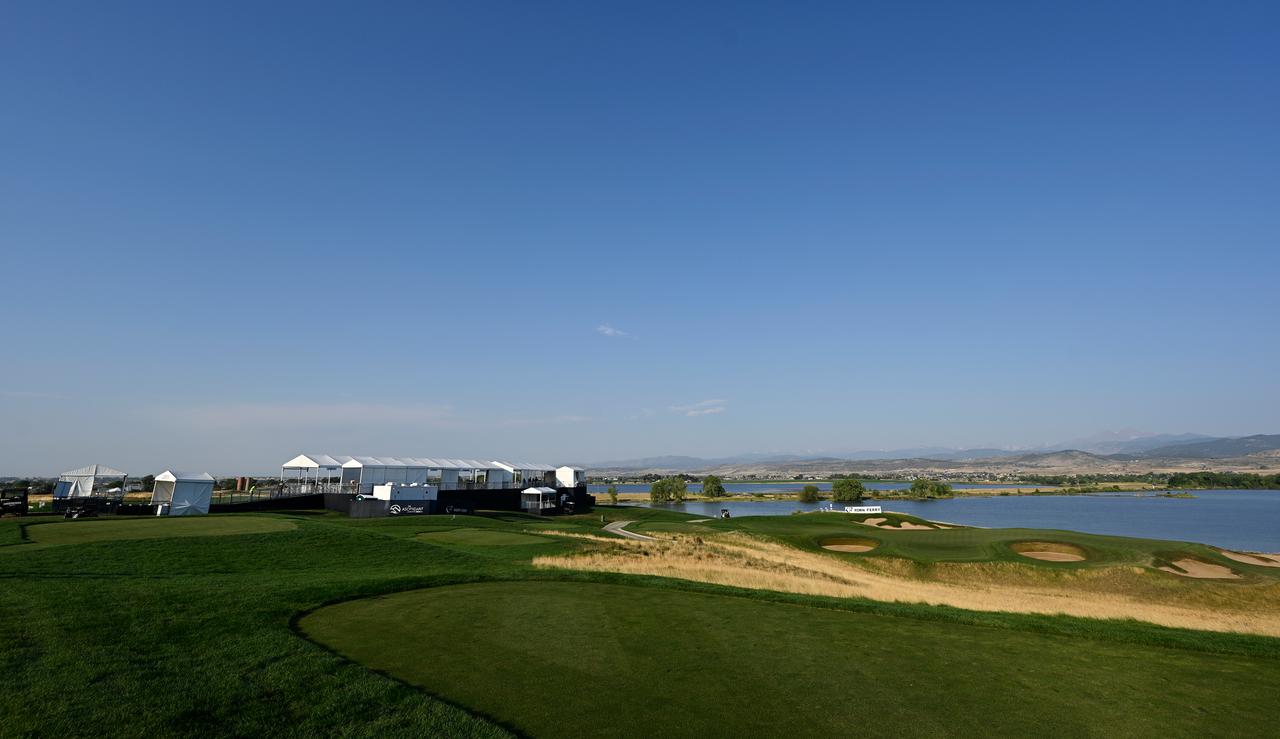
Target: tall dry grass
column 746, row 561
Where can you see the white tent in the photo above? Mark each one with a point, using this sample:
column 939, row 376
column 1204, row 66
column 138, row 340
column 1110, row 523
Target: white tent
column 185, row 492
column 79, row 483
column 312, row 466
column 570, row 477
column 537, row 500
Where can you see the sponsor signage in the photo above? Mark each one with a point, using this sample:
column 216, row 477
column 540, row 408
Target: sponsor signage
column 862, row 509
column 409, row 508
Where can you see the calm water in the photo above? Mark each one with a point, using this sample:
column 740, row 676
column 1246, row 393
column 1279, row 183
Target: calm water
column 1232, row 519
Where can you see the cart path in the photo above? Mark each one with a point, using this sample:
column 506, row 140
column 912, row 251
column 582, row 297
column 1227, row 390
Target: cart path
column 616, row 528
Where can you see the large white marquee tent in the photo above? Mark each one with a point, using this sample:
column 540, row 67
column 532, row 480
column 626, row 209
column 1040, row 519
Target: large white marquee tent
column 366, row 472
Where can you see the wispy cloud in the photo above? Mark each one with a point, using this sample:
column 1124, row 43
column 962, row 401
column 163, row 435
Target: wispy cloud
column 705, row 408
column 608, row 330
column 46, row 396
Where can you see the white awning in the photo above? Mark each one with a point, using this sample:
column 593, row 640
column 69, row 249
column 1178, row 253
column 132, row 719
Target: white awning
column 314, row 461
column 169, row 476
column 94, row 470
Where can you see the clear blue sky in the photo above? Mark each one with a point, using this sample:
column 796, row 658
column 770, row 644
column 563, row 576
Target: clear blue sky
column 233, row 232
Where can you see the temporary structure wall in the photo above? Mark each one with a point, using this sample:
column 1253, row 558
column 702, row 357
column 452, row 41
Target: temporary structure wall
column 186, row 492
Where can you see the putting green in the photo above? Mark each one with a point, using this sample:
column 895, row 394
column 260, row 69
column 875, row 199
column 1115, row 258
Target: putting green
column 483, row 537
column 80, row 531
column 553, row 659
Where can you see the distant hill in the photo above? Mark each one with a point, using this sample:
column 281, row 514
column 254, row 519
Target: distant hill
column 973, row 454
column 1216, row 449
column 1126, row 444
column 1125, row 441
column 668, row 462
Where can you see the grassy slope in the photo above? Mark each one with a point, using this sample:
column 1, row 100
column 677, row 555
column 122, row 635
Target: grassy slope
column 690, row 665
column 160, row 637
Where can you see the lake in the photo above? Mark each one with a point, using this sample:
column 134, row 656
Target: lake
column 1247, row 520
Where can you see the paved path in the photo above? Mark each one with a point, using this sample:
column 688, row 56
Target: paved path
column 616, row 528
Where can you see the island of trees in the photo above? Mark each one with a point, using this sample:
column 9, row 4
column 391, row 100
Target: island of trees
column 1239, row 480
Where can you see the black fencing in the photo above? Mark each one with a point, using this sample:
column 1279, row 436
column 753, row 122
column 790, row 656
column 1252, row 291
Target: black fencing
column 313, row 502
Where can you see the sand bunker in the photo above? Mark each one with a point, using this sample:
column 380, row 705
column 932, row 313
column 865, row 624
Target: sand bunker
column 1053, row 556
column 1202, row 570
column 1049, row 551
column 873, row 521
column 1253, row 559
column 849, row 545
column 908, row 525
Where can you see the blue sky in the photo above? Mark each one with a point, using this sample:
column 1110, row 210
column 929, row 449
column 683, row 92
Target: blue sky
column 577, row 232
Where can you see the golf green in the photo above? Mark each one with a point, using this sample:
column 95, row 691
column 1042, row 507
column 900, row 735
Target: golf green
column 553, row 659
column 79, row 531
column 483, row 537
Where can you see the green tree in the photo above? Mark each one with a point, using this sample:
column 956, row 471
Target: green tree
column 613, row 495
column 679, row 488
column 808, row 494
column 712, row 487
column 848, row 490
column 930, row 488
column 659, row 492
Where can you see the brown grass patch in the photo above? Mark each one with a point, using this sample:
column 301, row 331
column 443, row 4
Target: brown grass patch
column 745, row 561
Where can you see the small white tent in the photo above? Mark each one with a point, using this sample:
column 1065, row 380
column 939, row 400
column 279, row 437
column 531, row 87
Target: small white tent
column 79, row 483
column 185, row 492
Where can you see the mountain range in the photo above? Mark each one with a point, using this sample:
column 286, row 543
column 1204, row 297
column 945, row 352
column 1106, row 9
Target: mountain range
column 1124, row 444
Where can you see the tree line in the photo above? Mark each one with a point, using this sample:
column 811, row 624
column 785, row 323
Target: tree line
column 1240, row 480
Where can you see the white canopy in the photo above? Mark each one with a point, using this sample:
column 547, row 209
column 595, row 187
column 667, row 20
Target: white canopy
column 314, row 461
column 186, row 492
column 79, row 483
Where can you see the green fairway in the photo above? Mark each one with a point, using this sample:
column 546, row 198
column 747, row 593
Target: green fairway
column 186, row 634
column 483, row 537
column 638, row 662
column 78, row 531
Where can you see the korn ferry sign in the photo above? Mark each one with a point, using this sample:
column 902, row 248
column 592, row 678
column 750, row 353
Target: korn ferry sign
column 862, row 509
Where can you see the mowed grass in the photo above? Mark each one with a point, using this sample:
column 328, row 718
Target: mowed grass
column 554, row 659
column 79, row 531
column 483, row 537
column 198, row 636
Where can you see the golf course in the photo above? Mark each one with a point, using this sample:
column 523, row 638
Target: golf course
column 506, row 624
